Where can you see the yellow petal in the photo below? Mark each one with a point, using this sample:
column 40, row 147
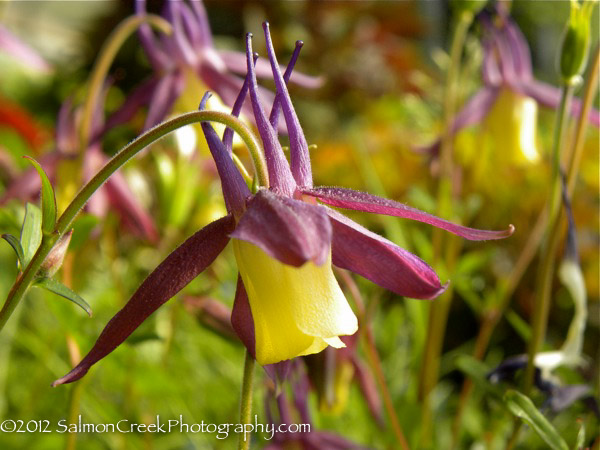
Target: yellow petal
column 296, row 310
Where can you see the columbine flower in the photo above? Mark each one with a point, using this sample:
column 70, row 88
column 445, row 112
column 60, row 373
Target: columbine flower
column 288, row 302
column 509, row 89
column 189, row 51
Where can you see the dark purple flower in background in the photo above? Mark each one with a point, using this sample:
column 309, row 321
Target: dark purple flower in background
column 190, row 48
column 288, row 302
column 506, row 71
column 283, row 410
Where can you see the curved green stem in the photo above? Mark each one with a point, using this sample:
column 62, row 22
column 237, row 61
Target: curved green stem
column 105, row 58
column 64, row 222
column 246, row 400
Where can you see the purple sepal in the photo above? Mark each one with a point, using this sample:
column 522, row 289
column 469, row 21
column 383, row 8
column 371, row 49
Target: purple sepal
column 172, row 275
column 384, row 263
column 299, row 156
column 363, row 201
column 289, row 230
column 235, row 190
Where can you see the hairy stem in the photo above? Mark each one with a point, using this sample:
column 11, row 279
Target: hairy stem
column 246, row 400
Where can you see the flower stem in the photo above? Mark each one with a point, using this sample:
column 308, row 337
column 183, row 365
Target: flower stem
column 105, row 58
column 590, row 89
column 246, row 400
column 23, row 281
column 438, row 312
column 550, row 244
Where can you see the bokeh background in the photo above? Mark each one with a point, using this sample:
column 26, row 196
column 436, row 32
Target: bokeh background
column 384, row 64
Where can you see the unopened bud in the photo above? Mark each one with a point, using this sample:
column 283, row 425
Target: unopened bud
column 468, row 6
column 576, row 41
column 55, row 259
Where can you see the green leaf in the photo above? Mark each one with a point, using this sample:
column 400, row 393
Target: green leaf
column 31, row 232
column 522, row 407
column 49, row 210
column 60, row 289
column 580, row 444
column 16, row 245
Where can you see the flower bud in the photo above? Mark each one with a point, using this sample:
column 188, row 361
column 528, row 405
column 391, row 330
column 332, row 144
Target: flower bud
column 468, row 6
column 576, row 41
column 55, row 259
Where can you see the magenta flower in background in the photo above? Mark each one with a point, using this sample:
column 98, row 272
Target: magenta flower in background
column 115, row 193
column 11, row 44
column 288, row 302
column 506, row 69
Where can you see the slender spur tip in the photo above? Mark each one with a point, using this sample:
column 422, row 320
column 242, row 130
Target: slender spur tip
column 205, row 98
column 265, row 25
column 248, row 35
column 299, row 43
column 511, row 229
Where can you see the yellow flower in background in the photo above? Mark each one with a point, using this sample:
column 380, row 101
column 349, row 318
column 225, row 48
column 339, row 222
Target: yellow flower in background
column 511, row 125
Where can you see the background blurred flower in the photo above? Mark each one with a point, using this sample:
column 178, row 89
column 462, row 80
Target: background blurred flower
column 509, row 92
column 189, row 56
column 114, row 194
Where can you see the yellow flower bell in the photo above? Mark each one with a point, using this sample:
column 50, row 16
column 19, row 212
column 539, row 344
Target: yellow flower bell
column 296, row 310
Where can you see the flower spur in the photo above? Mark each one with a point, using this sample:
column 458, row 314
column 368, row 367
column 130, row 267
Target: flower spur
column 287, row 302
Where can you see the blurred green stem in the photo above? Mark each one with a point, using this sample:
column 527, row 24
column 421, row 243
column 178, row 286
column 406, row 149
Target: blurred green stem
column 589, row 94
column 550, row 243
column 105, row 58
column 246, row 400
column 438, row 312
column 25, row 279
